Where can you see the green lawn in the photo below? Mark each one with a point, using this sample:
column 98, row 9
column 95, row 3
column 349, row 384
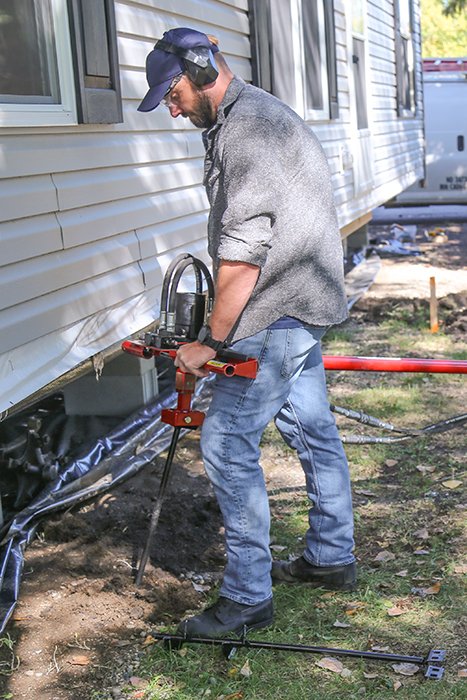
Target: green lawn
column 406, row 507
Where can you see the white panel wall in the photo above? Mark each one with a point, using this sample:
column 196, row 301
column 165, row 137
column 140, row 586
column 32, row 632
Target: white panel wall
column 397, row 143
column 91, row 215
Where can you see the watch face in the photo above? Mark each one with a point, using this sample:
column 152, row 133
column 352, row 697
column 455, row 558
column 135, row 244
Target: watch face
column 204, row 334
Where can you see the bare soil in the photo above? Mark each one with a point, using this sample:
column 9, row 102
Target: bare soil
column 80, row 624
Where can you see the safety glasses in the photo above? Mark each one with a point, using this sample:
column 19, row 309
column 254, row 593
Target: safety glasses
column 168, row 100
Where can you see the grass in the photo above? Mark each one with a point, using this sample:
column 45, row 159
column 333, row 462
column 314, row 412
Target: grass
column 399, row 509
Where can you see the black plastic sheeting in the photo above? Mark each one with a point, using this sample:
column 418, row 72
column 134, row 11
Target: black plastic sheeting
column 113, row 459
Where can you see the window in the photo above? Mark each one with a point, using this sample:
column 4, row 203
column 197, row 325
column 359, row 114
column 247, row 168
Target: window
column 405, row 59
column 58, row 62
column 36, row 76
column 294, row 54
column 358, row 63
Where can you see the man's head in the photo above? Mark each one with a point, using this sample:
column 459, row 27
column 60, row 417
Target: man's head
column 181, row 71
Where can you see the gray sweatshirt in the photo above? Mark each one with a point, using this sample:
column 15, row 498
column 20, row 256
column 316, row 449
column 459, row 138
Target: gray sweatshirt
column 269, row 187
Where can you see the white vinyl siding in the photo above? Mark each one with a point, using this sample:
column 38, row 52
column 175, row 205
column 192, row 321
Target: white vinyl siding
column 91, row 215
column 397, row 145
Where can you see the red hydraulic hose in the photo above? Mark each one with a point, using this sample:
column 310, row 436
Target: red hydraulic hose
column 394, row 364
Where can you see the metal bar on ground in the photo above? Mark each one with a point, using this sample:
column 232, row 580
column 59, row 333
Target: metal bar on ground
column 179, row 639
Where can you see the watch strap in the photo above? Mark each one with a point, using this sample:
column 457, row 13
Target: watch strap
column 205, row 338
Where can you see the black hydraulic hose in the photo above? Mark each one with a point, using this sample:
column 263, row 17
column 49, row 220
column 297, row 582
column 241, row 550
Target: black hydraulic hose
column 208, row 278
column 176, row 279
column 167, row 279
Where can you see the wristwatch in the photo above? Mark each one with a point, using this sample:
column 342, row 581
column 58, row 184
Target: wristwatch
column 205, row 338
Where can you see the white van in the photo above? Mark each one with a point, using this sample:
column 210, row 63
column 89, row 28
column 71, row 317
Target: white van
column 445, row 98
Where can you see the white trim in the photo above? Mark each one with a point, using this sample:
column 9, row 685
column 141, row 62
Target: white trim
column 317, row 114
column 300, row 63
column 361, row 139
column 50, row 114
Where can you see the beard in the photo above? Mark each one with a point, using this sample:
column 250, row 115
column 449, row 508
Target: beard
column 202, row 115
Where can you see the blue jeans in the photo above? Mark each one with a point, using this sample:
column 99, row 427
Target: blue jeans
column 291, row 388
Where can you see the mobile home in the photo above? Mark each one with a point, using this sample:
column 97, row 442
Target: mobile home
column 97, row 198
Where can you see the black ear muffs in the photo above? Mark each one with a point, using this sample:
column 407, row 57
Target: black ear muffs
column 199, row 62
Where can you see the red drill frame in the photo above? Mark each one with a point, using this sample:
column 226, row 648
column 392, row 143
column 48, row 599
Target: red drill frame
column 183, row 416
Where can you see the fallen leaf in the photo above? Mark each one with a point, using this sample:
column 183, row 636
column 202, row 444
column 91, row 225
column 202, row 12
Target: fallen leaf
column 402, row 573
column 462, row 673
column 331, row 664
column 421, row 552
column 384, row 556
column 396, row 685
column 346, row 673
column 406, row 669
column 182, row 652
column 18, row 617
column 340, row 624
column 138, row 695
column 383, row 649
column 232, row 671
column 80, row 660
column 431, row 590
column 460, row 569
column 425, row 468
column 277, row 547
column 246, row 670
column 329, row 594
column 451, row 483
column 364, row 492
column 138, row 682
column 390, row 462
column 149, row 640
column 395, row 611
column 370, row 676
column 422, row 534
column 232, row 696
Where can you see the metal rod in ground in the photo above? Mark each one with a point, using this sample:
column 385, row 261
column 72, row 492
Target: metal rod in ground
column 250, row 644
column 158, row 505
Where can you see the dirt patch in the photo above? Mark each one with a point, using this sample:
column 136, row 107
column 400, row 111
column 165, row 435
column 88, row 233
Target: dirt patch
column 81, row 623
column 442, row 255
column 452, row 310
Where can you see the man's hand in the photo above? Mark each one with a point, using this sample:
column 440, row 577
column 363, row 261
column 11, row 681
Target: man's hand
column 192, row 356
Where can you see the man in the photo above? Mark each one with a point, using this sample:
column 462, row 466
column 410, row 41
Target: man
column 277, row 260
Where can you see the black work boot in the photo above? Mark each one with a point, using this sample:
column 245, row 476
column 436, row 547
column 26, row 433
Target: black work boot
column 335, row 578
column 228, row 616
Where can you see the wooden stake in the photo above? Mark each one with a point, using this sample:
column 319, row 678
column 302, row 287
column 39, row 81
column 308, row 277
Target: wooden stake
column 434, row 325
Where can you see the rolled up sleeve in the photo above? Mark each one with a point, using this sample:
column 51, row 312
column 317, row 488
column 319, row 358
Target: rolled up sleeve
column 251, row 185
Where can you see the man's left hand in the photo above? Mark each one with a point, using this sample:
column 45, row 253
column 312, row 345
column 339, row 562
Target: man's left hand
column 192, row 356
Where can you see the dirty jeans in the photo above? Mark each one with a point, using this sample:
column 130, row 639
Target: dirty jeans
column 290, row 387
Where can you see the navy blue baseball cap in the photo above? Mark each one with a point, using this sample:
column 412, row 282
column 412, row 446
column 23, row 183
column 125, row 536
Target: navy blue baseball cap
column 162, row 67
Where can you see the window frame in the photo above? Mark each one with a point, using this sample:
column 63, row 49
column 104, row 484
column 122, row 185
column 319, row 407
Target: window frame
column 307, row 112
column 403, row 72
column 63, row 113
column 87, row 66
column 269, row 56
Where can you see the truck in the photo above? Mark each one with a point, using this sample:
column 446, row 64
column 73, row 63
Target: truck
column 445, row 98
